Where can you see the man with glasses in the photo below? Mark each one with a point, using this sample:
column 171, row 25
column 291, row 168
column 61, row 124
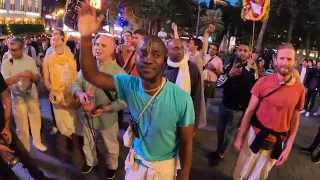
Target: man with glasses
column 212, row 70
column 130, row 63
column 26, row 106
column 124, row 49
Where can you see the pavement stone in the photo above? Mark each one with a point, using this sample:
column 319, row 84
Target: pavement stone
column 59, row 163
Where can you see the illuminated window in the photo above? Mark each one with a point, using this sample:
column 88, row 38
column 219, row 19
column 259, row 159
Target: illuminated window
column 2, row 4
column 12, row 5
column 22, row 5
column 29, row 5
column 37, row 5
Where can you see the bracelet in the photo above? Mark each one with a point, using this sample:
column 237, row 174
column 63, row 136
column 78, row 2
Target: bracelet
column 86, row 43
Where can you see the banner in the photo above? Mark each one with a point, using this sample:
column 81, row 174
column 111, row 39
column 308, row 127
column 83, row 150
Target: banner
column 255, row 10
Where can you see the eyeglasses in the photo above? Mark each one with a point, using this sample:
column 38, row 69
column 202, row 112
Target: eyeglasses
column 14, row 50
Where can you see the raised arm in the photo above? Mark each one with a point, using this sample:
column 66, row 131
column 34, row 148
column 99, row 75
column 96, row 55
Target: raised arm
column 88, row 23
column 175, row 30
column 207, row 34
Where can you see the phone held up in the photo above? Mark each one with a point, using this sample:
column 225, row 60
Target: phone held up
column 238, row 60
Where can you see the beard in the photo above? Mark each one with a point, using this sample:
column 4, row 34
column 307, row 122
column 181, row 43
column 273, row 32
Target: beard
column 284, row 71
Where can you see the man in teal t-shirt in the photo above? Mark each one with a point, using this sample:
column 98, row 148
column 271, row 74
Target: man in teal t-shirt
column 166, row 126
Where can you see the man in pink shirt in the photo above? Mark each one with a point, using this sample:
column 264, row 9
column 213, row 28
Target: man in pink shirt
column 212, row 70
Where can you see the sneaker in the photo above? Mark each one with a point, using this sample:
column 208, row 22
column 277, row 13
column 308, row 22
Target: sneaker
column 307, row 114
column 86, row 169
column 111, row 173
column 307, row 150
column 212, row 154
column 316, row 159
column 53, row 131
column 40, row 147
column 302, row 112
column 315, row 114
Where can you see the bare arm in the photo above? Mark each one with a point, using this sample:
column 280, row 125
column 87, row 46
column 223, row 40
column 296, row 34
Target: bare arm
column 206, row 42
column 254, row 101
column 35, row 77
column 7, row 108
column 89, row 67
column 294, row 125
column 186, row 142
column 11, row 79
column 175, row 31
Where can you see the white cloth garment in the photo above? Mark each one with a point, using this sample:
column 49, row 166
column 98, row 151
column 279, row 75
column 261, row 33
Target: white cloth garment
column 65, row 120
column 26, row 113
column 251, row 166
column 183, row 78
column 303, row 74
column 159, row 170
column 111, row 143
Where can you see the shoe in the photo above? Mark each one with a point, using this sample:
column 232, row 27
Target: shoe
column 69, row 144
column 316, row 159
column 53, row 131
column 315, row 114
column 40, row 147
column 212, row 154
column 111, row 173
column 307, row 114
column 302, row 112
column 86, row 169
column 214, row 161
column 307, row 150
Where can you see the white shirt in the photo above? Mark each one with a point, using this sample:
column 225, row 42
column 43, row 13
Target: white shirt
column 303, row 74
column 162, row 34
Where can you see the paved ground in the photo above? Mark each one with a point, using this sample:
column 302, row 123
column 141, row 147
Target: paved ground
column 59, row 163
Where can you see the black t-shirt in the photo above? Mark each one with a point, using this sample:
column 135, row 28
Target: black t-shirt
column 3, row 87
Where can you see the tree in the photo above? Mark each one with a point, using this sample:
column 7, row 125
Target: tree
column 156, row 12
column 212, row 17
column 261, row 35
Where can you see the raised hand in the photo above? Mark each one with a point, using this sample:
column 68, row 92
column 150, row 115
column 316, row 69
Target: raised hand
column 88, row 22
column 174, row 26
column 210, row 29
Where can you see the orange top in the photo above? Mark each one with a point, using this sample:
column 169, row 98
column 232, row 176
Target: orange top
column 130, row 64
column 276, row 111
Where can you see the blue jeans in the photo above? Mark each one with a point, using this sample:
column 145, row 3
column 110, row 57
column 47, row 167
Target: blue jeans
column 228, row 121
column 28, row 162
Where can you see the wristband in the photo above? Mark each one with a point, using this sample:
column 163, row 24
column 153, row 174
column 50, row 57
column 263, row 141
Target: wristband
column 86, row 43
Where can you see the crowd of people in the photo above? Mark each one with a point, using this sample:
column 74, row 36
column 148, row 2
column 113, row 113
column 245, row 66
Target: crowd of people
column 165, row 86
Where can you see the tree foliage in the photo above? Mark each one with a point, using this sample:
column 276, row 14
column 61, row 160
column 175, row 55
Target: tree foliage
column 212, row 17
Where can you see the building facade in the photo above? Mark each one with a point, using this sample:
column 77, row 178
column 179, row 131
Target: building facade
column 20, row 12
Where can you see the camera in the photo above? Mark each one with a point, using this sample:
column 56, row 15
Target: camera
column 4, row 141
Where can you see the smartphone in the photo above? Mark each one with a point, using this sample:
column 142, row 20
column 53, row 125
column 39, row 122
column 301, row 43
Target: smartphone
column 238, row 60
column 94, row 110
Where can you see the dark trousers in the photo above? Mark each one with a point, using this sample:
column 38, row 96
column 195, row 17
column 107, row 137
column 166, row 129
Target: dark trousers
column 209, row 90
column 310, row 100
column 227, row 125
column 53, row 118
column 28, row 162
column 316, row 141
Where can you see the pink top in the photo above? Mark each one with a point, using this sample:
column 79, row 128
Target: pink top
column 217, row 63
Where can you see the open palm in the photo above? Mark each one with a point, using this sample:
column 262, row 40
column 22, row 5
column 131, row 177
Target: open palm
column 88, row 22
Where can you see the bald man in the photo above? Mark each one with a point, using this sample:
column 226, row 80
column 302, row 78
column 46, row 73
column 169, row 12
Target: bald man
column 184, row 74
column 104, row 120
